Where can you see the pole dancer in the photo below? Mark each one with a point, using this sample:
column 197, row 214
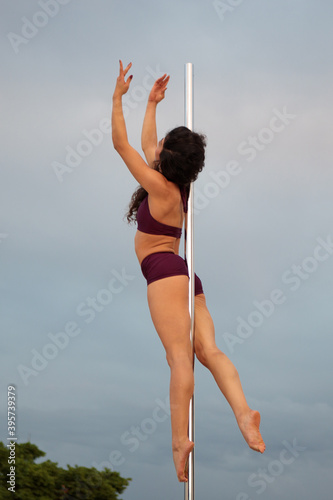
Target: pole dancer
column 158, row 206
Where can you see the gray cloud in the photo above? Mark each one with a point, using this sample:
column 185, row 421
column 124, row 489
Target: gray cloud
column 65, row 239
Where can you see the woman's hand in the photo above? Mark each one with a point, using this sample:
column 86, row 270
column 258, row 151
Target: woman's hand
column 122, row 86
column 159, row 88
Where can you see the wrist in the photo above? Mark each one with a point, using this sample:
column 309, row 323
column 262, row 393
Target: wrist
column 117, row 97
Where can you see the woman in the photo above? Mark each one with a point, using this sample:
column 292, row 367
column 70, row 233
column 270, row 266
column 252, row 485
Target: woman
column 158, row 206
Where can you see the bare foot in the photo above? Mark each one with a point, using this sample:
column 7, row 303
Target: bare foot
column 249, row 426
column 180, row 459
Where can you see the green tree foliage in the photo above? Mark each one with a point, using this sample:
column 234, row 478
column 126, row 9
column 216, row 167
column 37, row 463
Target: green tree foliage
column 47, row 481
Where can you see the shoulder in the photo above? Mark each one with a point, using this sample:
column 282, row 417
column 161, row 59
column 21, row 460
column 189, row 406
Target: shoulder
column 169, row 195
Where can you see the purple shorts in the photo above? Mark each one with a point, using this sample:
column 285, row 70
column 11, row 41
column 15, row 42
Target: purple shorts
column 157, row 266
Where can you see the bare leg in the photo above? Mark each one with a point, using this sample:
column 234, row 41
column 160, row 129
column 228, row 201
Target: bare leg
column 168, row 304
column 226, row 375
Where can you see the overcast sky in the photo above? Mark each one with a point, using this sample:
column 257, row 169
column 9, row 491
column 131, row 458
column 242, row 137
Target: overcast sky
column 76, row 334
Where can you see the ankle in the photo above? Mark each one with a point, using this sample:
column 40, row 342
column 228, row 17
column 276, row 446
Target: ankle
column 243, row 414
column 179, row 444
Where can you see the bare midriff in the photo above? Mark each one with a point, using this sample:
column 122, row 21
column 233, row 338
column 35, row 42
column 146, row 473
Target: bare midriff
column 146, row 244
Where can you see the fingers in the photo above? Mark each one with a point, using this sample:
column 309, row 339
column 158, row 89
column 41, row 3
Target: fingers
column 122, row 70
column 163, row 80
column 127, row 68
column 160, row 82
column 166, row 81
column 160, row 78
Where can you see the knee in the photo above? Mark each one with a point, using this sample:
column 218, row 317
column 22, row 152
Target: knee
column 179, row 358
column 205, row 354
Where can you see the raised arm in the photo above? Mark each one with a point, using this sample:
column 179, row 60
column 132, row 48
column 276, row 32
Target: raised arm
column 151, row 180
column 149, row 133
column 119, row 133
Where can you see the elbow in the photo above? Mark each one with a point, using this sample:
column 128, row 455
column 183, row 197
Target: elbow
column 119, row 146
column 116, row 143
column 146, row 148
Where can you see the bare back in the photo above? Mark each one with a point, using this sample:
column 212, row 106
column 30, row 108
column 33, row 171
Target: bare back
column 168, row 213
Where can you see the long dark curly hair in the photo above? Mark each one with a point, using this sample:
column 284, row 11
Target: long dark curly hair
column 181, row 160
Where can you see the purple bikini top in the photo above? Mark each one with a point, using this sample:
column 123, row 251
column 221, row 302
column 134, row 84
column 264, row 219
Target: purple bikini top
column 147, row 223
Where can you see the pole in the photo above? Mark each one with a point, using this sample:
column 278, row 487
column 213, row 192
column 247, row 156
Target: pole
column 189, row 253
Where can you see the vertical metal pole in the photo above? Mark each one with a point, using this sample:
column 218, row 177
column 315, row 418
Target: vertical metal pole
column 189, row 252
